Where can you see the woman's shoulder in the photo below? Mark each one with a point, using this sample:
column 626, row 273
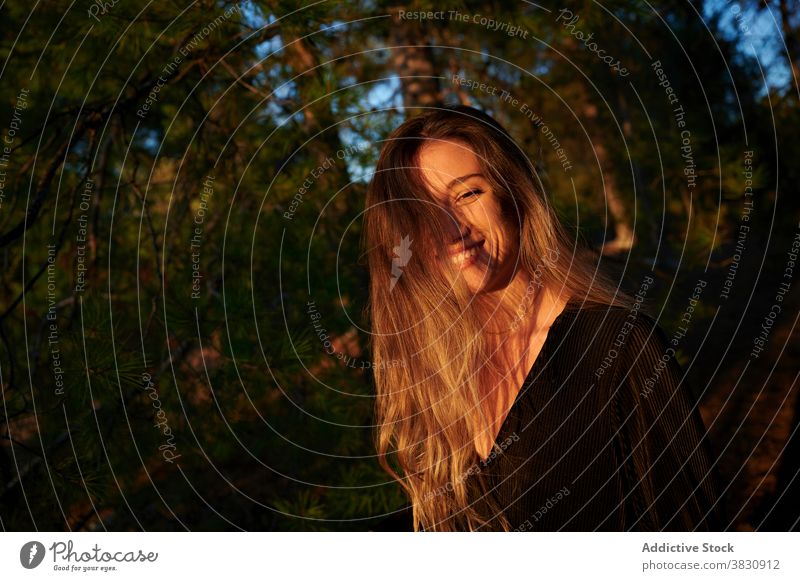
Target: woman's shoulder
column 604, row 324
column 600, row 334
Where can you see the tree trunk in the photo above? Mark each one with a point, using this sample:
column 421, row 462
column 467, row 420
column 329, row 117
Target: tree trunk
column 318, row 121
column 624, row 236
column 413, row 61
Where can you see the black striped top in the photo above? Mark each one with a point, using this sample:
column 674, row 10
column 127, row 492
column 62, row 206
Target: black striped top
column 604, row 435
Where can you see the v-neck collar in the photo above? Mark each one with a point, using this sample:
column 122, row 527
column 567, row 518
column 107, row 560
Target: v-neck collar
column 533, row 372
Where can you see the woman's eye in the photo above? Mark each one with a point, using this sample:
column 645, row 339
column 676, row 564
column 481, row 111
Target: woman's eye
column 469, row 194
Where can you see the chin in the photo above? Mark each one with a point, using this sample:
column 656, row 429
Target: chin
column 476, row 279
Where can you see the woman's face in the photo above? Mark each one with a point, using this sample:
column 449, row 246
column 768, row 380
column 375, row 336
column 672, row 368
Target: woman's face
column 481, row 242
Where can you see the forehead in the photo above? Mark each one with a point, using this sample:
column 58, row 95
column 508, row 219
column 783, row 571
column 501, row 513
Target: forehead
column 441, row 162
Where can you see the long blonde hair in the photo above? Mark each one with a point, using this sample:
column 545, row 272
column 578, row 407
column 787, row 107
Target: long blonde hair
column 427, row 343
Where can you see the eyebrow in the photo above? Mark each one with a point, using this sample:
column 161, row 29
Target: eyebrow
column 461, row 179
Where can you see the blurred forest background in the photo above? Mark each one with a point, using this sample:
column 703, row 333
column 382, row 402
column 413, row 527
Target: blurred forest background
column 180, row 212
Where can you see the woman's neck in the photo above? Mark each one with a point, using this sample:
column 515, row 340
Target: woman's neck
column 523, row 306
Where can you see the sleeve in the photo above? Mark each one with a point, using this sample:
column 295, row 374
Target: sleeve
column 670, row 481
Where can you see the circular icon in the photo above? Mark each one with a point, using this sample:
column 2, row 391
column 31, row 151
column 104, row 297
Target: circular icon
column 31, row 554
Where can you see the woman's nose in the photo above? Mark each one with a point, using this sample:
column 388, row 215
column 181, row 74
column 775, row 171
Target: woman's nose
column 458, row 231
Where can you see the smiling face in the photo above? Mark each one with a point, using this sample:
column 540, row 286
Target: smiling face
column 481, row 242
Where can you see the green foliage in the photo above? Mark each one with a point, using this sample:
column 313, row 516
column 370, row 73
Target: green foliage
column 195, row 304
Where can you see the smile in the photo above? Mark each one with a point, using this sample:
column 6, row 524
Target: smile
column 467, row 256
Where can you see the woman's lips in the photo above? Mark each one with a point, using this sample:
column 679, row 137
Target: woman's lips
column 467, row 256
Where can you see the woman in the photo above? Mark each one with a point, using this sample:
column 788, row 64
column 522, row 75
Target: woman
column 526, row 397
